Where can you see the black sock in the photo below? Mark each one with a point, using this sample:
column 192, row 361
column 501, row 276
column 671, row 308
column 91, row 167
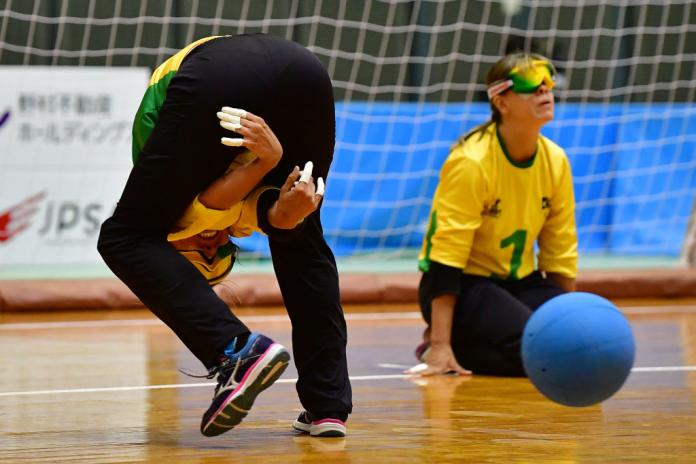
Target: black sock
column 236, row 344
column 241, row 341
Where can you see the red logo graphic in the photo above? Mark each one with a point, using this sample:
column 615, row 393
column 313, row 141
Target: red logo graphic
column 16, row 218
column 4, row 118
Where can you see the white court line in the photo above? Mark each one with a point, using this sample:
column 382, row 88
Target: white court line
column 80, row 324
column 210, row 384
column 174, row 385
column 284, row 318
column 157, row 322
column 687, row 309
column 635, row 369
column 393, row 366
column 665, row 369
column 410, row 315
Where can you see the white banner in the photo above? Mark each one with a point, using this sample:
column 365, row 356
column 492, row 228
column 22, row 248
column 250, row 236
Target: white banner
column 65, row 155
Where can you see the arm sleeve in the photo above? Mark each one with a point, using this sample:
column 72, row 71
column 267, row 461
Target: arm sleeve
column 444, row 280
column 558, row 242
column 265, row 202
column 456, row 214
column 439, row 280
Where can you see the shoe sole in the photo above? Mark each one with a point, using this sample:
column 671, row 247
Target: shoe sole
column 327, row 428
column 269, row 367
column 323, row 428
column 298, row 426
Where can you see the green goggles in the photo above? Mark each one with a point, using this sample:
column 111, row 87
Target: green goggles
column 526, row 79
column 214, row 269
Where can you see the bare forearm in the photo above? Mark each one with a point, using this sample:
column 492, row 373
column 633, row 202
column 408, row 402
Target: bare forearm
column 280, row 218
column 566, row 283
column 234, row 186
column 441, row 320
column 441, row 359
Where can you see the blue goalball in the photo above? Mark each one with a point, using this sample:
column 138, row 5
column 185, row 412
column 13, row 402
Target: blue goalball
column 578, row 349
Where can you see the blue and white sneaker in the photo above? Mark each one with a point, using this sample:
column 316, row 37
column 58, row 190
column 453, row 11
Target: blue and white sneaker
column 241, row 376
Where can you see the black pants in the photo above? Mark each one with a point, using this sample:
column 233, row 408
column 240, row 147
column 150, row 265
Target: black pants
column 288, row 87
column 489, row 319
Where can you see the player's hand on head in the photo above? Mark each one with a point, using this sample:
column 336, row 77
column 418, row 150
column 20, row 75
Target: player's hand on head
column 439, row 360
column 299, row 197
column 257, row 136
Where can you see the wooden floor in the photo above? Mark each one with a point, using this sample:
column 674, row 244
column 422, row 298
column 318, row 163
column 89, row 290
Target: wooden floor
column 98, row 387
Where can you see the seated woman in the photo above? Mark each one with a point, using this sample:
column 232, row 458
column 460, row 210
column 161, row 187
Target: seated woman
column 503, row 188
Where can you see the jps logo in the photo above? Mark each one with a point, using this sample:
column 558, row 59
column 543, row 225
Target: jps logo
column 68, row 219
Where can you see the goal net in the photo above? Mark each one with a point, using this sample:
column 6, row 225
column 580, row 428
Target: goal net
column 408, row 79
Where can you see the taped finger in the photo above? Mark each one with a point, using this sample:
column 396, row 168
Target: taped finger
column 306, row 172
column 417, row 369
column 232, row 142
column 320, row 187
column 230, row 126
column 228, row 118
column 234, row 111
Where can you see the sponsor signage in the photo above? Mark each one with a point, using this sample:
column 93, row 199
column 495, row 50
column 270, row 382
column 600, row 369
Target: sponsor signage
column 65, row 154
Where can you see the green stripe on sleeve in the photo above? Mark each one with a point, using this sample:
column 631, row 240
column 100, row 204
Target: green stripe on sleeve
column 424, row 264
column 148, row 113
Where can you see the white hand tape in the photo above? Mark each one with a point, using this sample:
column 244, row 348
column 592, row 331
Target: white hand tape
column 232, row 142
column 234, row 111
column 320, row 187
column 230, row 126
column 228, row 118
column 418, row 368
column 306, row 172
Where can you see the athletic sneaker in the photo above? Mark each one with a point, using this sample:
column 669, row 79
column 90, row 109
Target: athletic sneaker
column 327, row 427
column 241, row 376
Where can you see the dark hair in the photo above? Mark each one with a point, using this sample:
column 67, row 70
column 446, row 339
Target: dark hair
column 498, row 72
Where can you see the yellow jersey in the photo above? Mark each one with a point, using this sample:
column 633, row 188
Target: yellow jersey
column 240, row 219
column 488, row 211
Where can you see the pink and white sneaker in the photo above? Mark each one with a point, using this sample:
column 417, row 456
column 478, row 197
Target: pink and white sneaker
column 326, row 427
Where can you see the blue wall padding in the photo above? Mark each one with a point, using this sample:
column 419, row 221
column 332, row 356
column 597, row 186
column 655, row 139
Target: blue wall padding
column 634, row 168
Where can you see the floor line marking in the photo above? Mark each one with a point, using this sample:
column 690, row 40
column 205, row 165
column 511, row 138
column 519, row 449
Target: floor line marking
column 80, row 324
column 385, row 316
column 211, row 384
column 172, row 386
column 157, row 322
column 665, row 369
column 685, row 309
column 393, row 366
column 635, row 369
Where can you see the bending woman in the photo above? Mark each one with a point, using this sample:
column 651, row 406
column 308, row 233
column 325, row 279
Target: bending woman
column 177, row 155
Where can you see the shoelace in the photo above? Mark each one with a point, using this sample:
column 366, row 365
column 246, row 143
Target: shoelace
column 226, row 364
column 209, row 375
